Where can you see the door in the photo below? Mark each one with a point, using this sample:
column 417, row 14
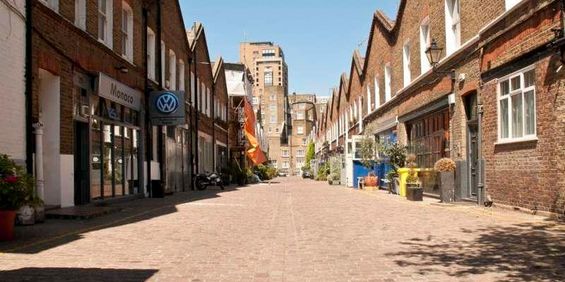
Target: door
column 82, row 164
column 472, row 144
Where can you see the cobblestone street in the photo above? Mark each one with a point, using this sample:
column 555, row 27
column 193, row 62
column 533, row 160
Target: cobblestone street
column 289, row 230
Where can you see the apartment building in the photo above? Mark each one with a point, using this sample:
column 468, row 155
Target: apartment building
column 462, row 79
column 269, row 73
column 303, row 118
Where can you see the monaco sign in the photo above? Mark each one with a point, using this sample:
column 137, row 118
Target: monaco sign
column 167, row 108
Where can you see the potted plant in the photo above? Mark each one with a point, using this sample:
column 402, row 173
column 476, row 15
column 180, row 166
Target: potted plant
column 446, row 175
column 396, row 156
column 15, row 187
column 414, row 190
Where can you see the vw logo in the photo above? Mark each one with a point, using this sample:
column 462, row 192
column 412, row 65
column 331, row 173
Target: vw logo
column 167, row 103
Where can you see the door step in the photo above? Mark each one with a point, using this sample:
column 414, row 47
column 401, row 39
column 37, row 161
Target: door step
column 81, row 212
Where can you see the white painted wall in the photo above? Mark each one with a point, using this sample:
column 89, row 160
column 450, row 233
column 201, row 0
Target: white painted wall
column 12, row 80
column 67, row 170
column 50, row 112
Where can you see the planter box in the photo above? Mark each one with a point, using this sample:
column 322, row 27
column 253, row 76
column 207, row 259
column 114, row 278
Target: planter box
column 414, row 193
column 446, row 186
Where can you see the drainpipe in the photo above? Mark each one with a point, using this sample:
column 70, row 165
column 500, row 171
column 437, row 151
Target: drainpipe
column 213, row 113
column 160, row 151
column 146, row 130
column 28, row 87
column 480, row 185
column 196, row 112
column 39, row 179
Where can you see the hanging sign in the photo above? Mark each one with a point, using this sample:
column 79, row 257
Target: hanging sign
column 167, row 108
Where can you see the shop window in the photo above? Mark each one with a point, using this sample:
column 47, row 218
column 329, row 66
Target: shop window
column 429, row 138
column 517, row 107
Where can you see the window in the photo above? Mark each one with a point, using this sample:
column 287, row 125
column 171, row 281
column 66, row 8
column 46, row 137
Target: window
column 388, row 78
column 377, row 94
column 452, row 25
column 172, row 70
column 406, row 64
column 127, row 31
column 270, row 130
column 273, row 97
column 52, row 4
column 181, row 75
column 255, row 100
column 105, row 22
column 304, row 141
column 300, row 130
column 425, row 42
column 277, row 130
column 369, row 100
column 268, row 78
column 272, row 107
column 517, row 107
column 80, row 14
column 285, row 164
column 284, row 153
column 511, row 3
column 268, row 53
column 273, row 118
column 163, row 61
column 300, row 153
column 151, row 54
column 300, row 115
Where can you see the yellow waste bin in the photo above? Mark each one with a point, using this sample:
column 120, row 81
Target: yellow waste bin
column 403, row 175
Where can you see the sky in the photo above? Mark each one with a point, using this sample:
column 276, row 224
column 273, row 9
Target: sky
column 318, row 37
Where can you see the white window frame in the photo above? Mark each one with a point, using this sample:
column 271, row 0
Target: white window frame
column 452, row 25
column 388, row 82
column 182, row 71
column 163, row 58
column 52, row 4
column 370, row 105
column 300, row 130
column 300, row 115
column 511, row 3
column 108, row 38
column 127, row 13
column 377, row 93
column 425, row 41
column 80, row 14
column 172, row 70
column 406, row 62
column 151, row 54
column 508, row 98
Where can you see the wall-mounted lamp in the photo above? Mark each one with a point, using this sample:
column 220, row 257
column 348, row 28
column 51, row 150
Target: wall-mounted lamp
column 433, row 53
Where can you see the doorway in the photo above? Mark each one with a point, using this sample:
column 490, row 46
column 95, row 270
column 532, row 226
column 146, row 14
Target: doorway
column 82, row 164
column 472, row 144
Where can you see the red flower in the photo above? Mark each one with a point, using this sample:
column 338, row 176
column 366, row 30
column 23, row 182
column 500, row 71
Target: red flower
column 11, row 179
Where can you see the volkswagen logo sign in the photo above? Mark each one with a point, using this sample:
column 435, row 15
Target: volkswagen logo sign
column 167, row 103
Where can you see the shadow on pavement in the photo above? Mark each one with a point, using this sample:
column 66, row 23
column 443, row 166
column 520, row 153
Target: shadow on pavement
column 76, row 274
column 56, row 232
column 519, row 252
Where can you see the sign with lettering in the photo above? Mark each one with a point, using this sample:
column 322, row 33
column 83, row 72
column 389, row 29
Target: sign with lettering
column 167, row 108
column 118, row 92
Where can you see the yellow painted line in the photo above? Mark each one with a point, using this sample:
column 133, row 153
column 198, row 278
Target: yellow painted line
column 36, row 243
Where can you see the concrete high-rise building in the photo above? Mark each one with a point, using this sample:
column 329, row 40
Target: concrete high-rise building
column 269, row 72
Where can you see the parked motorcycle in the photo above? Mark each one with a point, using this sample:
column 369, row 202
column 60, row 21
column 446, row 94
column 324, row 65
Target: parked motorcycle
column 203, row 180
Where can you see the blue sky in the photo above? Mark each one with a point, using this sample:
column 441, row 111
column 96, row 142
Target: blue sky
column 317, row 36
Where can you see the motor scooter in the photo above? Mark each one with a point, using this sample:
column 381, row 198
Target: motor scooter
column 203, row 180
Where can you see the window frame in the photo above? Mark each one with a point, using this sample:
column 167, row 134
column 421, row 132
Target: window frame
column 425, row 41
column 508, row 97
column 151, row 53
column 127, row 13
column 80, row 14
column 406, row 64
column 108, row 38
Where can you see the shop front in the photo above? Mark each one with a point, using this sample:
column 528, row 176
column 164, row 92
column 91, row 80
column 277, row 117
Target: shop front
column 428, row 134
column 115, row 137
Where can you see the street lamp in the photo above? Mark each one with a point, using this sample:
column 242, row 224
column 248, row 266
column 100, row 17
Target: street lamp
column 433, row 53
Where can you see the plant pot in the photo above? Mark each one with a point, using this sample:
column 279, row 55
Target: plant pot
column 39, row 214
column 446, row 186
column 25, row 215
column 371, row 181
column 7, row 222
column 414, row 192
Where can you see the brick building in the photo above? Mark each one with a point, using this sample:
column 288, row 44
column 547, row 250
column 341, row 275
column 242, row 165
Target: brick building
column 303, row 117
column 269, row 72
column 398, row 94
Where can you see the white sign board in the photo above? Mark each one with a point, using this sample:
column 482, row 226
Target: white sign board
column 118, row 92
